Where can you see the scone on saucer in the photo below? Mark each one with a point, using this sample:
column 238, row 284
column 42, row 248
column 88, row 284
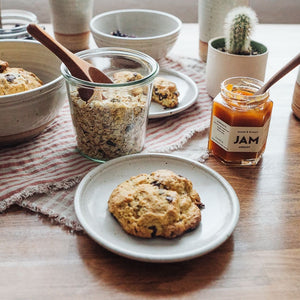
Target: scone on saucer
column 165, row 92
column 160, row 204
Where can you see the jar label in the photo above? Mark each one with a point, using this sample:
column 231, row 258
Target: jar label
column 238, row 139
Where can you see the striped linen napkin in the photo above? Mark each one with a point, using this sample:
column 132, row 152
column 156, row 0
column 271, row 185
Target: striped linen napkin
column 42, row 174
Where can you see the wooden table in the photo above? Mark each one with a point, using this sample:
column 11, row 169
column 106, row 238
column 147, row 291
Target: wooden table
column 261, row 260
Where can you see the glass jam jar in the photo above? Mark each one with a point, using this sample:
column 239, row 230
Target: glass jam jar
column 239, row 122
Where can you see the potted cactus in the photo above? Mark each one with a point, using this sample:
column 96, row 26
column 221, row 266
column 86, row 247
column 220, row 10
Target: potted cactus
column 235, row 54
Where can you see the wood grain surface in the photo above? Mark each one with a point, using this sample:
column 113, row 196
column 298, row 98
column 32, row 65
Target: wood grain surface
column 261, row 260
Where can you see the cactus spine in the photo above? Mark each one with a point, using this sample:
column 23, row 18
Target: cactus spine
column 238, row 28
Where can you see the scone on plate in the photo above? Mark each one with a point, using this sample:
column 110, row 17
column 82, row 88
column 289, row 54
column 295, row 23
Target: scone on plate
column 126, row 76
column 16, row 80
column 158, row 204
column 165, row 92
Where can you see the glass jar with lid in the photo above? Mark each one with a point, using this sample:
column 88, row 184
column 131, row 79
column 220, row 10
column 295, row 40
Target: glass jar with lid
column 240, row 122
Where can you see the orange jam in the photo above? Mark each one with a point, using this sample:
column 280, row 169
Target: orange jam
column 239, row 122
column 236, row 90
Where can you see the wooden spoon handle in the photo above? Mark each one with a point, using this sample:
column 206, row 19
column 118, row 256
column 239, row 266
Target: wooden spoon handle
column 283, row 71
column 66, row 56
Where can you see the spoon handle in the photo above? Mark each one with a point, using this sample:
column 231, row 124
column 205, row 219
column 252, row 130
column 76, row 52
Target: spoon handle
column 66, row 56
column 283, row 71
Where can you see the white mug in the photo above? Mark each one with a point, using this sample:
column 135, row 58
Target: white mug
column 70, row 19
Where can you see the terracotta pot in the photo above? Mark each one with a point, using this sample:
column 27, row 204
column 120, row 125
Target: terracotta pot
column 222, row 65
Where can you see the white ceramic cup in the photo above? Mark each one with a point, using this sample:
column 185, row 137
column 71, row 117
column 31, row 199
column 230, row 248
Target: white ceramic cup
column 211, row 16
column 70, row 19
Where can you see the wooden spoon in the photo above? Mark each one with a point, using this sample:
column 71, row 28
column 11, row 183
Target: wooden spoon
column 78, row 67
column 283, row 71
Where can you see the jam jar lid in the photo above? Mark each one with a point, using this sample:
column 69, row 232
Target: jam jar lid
column 14, row 23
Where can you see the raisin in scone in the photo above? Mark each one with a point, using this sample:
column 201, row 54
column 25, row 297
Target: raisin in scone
column 158, row 204
column 165, row 92
column 16, row 80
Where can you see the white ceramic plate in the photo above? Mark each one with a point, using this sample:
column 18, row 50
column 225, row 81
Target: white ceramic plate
column 219, row 217
column 188, row 94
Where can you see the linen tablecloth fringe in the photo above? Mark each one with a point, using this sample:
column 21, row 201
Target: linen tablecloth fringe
column 42, row 174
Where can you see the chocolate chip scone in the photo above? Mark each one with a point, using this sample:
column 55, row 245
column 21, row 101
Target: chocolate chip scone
column 158, row 204
column 165, row 92
column 126, row 76
column 16, row 80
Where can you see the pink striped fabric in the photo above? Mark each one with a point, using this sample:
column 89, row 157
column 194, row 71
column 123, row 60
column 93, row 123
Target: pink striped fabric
column 51, row 164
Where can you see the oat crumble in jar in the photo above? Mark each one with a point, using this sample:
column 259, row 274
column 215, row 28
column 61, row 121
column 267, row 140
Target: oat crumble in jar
column 113, row 121
column 240, row 122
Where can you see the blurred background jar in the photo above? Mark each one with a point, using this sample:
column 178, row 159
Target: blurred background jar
column 13, row 23
column 296, row 97
column 211, row 15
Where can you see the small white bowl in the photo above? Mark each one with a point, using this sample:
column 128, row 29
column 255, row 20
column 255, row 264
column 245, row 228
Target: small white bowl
column 25, row 115
column 155, row 32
